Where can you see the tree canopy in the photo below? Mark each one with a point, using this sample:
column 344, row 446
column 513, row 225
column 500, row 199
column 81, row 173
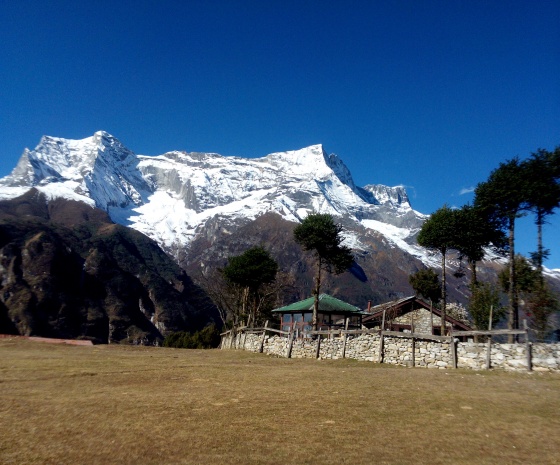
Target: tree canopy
column 485, row 297
column 251, row 269
column 513, row 189
column 318, row 233
column 541, row 303
column 473, row 232
column 503, row 199
column 439, row 233
column 248, row 273
column 543, row 193
column 426, row 283
column 321, row 235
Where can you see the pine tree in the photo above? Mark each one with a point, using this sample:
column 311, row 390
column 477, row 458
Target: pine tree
column 502, row 199
column 249, row 272
column 540, row 305
column 439, row 233
column 485, row 296
column 543, row 194
column 319, row 234
column 474, row 233
column 426, row 283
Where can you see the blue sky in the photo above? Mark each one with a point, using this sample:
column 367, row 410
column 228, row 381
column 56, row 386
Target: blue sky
column 432, row 95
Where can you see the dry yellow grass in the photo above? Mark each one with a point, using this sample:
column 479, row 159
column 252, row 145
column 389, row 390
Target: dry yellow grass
column 130, row 405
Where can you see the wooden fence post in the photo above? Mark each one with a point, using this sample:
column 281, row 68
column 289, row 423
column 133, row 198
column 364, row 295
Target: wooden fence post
column 261, row 348
column 291, row 342
column 431, row 318
column 489, row 341
column 380, row 357
column 345, row 337
column 528, row 347
column 453, row 349
column 413, row 342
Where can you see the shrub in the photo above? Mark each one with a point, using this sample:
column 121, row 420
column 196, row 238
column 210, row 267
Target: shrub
column 206, row 338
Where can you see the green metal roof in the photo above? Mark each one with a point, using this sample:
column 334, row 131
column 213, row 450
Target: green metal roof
column 327, row 304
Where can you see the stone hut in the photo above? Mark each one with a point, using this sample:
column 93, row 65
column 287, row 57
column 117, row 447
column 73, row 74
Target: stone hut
column 410, row 314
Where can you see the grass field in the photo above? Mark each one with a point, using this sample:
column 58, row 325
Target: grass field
column 134, row 405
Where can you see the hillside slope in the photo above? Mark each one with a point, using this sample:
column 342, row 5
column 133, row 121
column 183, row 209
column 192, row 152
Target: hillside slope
column 67, row 271
column 203, row 207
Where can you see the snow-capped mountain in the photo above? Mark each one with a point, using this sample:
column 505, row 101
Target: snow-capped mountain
column 174, row 196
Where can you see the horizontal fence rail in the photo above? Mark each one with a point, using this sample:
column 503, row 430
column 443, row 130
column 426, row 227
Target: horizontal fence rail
column 414, row 349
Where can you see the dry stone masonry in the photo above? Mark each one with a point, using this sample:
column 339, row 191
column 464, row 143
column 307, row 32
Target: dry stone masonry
column 404, row 351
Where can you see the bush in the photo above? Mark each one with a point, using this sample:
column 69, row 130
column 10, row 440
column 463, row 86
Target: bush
column 207, row 338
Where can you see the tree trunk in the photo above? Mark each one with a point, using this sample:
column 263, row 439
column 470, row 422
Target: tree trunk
column 513, row 316
column 540, row 222
column 256, row 308
column 474, row 282
column 443, row 292
column 431, row 317
column 316, row 292
column 244, row 302
column 474, row 279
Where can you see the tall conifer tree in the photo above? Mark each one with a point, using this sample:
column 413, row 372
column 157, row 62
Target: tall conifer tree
column 474, row 233
column 543, row 194
column 439, row 233
column 319, row 234
column 503, row 199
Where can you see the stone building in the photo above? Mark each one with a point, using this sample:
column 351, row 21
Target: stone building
column 410, row 314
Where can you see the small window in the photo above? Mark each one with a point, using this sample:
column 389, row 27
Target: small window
column 287, row 318
column 298, row 317
column 308, row 317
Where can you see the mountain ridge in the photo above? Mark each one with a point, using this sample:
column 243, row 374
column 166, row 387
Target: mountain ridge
column 194, row 203
column 140, row 191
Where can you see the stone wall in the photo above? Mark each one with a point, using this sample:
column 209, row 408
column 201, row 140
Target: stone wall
column 399, row 351
column 544, row 357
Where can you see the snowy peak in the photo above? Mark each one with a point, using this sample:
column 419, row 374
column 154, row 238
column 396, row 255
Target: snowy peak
column 173, row 197
column 309, row 160
column 66, row 158
column 98, row 168
column 395, row 196
column 313, row 161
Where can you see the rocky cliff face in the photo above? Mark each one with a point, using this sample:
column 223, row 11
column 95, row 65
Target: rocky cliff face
column 67, row 271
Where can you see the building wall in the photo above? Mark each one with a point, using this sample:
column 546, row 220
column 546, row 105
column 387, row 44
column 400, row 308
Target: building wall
column 398, row 351
column 421, row 318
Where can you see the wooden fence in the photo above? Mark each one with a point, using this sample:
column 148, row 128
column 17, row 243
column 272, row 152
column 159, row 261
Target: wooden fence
column 230, row 339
